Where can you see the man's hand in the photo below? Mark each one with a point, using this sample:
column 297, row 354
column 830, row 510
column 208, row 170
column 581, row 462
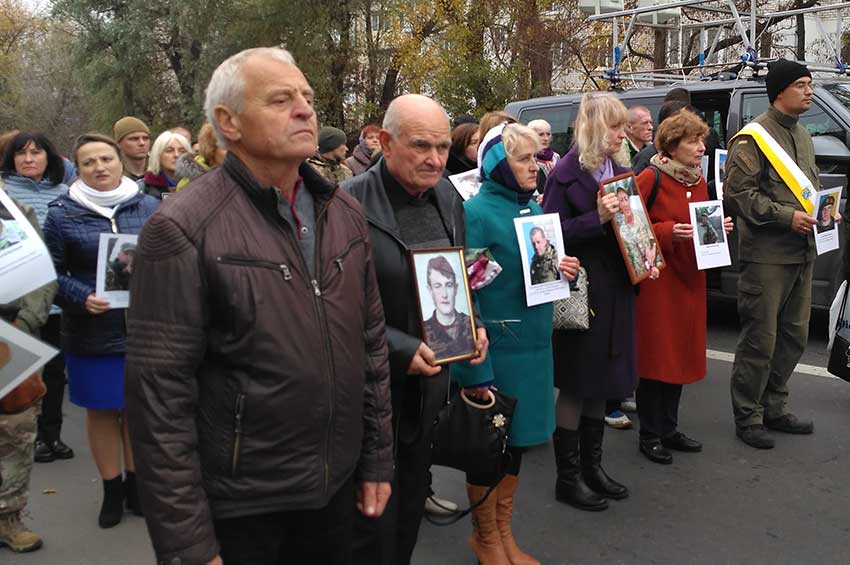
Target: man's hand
column 607, row 206
column 838, row 217
column 372, row 498
column 569, row 266
column 683, row 232
column 802, row 223
column 481, row 345
column 95, row 305
column 423, row 362
column 216, row 561
column 728, row 224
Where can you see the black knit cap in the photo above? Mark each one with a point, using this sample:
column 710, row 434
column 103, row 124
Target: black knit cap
column 330, row 138
column 781, row 74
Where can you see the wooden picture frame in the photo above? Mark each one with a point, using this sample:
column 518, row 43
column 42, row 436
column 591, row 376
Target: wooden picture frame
column 446, row 296
column 636, row 238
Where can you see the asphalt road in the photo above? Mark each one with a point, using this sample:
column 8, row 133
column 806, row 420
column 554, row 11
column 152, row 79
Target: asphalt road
column 729, row 504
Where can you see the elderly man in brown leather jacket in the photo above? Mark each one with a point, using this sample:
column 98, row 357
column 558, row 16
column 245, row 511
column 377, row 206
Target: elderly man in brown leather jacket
column 777, row 255
column 257, row 378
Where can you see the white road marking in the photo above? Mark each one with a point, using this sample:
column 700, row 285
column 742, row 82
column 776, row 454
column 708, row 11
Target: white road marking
column 801, row 368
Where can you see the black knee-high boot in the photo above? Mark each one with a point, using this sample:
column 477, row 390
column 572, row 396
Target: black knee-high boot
column 570, row 488
column 113, row 503
column 592, row 432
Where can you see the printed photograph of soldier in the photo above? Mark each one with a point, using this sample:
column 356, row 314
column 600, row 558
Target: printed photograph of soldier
column 710, row 225
column 119, row 268
column 826, row 213
column 444, row 305
column 721, row 166
column 544, row 262
column 641, row 249
column 11, row 233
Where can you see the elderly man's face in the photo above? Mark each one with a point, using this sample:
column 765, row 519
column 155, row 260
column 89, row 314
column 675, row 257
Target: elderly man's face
column 540, row 243
column 640, row 128
column 417, row 156
column 443, row 291
column 277, row 120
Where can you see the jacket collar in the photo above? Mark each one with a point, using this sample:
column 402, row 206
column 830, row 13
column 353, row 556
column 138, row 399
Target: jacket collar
column 264, row 197
column 379, row 210
column 784, row 119
column 43, row 184
column 70, row 204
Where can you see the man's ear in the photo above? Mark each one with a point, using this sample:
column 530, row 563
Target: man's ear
column 385, row 138
column 228, row 123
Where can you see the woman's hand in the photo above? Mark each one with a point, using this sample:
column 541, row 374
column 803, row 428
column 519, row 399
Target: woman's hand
column 607, row 206
column 569, row 267
column 478, row 392
column 95, row 305
column 728, row 224
column 683, row 232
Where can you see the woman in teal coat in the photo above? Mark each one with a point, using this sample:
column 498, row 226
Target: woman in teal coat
column 519, row 362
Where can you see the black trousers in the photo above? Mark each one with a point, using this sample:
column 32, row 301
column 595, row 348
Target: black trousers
column 50, row 420
column 300, row 537
column 657, row 408
column 390, row 539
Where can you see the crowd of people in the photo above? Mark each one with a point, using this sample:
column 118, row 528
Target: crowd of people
column 269, row 394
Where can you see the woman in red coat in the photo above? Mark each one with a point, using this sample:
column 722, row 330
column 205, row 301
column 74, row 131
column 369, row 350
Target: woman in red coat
column 671, row 311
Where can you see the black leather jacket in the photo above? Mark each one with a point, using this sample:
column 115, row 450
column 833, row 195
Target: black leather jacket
column 416, row 399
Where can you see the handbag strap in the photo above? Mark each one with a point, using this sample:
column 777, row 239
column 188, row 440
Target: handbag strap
column 459, row 515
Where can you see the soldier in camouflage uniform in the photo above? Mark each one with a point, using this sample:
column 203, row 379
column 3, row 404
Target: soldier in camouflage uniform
column 544, row 264
column 329, row 160
column 18, row 431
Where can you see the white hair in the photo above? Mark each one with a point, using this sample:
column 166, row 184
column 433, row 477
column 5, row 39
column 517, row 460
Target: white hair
column 540, row 123
column 160, row 145
column 513, row 136
column 227, row 85
column 395, row 115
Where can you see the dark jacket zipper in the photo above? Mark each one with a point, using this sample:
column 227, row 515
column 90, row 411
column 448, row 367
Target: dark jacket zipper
column 237, row 433
column 341, row 257
column 246, row 262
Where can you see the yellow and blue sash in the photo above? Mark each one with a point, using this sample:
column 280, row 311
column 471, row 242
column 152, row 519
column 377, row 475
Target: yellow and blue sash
column 794, row 178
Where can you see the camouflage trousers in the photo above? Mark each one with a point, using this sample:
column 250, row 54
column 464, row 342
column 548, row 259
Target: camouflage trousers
column 17, row 438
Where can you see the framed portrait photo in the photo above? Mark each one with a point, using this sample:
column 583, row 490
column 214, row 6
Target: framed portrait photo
column 115, row 260
column 631, row 225
column 445, row 303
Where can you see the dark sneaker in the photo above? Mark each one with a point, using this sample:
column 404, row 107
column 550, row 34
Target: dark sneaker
column 755, row 436
column 790, row 424
column 43, row 453
column 681, row 442
column 61, row 451
column 654, row 451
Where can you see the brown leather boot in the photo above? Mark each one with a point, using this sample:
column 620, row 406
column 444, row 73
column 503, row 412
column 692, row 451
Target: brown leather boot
column 504, row 512
column 486, row 541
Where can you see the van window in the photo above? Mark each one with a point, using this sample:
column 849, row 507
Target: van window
column 816, row 120
column 561, row 118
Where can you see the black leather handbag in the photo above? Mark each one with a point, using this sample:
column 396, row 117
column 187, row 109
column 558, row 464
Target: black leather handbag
column 839, row 357
column 471, row 436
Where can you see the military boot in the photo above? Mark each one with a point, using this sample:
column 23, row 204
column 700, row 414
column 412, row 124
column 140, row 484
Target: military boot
column 15, row 535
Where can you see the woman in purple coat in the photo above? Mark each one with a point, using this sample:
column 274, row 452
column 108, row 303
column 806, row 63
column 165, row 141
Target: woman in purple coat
column 595, row 365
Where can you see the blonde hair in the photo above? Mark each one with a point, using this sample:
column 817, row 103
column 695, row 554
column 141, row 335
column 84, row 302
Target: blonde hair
column 160, row 145
column 514, row 134
column 491, row 120
column 597, row 112
column 208, row 144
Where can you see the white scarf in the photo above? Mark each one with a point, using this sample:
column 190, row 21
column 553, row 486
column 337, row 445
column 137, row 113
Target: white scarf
column 104, row 203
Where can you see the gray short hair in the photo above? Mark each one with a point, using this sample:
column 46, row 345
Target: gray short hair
column 227, row 85
column 394, row 116
column 539, row 123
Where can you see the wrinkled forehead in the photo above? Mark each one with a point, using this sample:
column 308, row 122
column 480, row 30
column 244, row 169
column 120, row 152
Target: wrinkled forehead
column 432, row 126
column 263, row 75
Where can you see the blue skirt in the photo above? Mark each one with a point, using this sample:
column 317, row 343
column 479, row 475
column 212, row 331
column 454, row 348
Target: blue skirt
column 96, row 381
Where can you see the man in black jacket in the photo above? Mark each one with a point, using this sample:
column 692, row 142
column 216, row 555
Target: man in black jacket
column 408, row 205
column 257, row 381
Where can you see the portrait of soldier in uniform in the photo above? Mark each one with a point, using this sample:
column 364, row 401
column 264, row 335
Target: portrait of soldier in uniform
column 637, row 237
column 544, row 264
column 710, row 227
column 448, row 332
column 120, row 269
column 826, row 216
